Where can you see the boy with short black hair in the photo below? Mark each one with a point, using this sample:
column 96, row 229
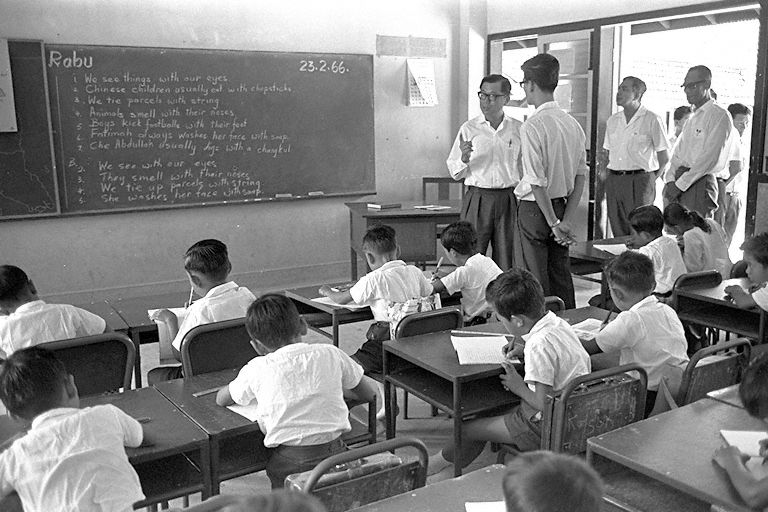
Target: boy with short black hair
column 71, row 458
column 756, row 256
column 207, row 266
column 25, row 320
column 543, row 481
column 646, row 235
column 753, row 391
column 473, row 272
column 553, row 356
column 646, row 332
column 299, row 389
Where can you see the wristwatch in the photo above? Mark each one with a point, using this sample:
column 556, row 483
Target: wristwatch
column 555, row 224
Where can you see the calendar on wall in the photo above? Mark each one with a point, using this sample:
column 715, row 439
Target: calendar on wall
column 422, row 91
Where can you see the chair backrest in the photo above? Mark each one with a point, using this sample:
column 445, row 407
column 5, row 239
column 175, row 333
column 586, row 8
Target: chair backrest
column 591, row 405
column 442, row 319
column 554, row 303
column 739, row 269
column 703, row 278
column 712, row 368
column 359, row 487
column 444, row 185
column 216, row 346
column 101, row 363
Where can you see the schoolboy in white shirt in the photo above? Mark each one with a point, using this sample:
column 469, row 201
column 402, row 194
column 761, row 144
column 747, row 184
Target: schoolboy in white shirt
column 473, row 272
column 756, row 256
column 25, row 320
column 71, row 458
column 646, row 332
column 299, row 389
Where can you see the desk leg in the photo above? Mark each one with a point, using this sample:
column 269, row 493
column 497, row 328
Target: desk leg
column 335, row 328
column 457, row 424
column 136, row 338
column 388, row 405
column 205, row 467
column 353, row 264
column 214, row 467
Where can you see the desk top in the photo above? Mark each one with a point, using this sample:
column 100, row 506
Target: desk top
column 586, row 250
column 103, row 309
column 134, row 310
column 714, row 294
column 406, row 209
column 446, row 496
column 728, row 395
column 305, row 294
column 676, row 448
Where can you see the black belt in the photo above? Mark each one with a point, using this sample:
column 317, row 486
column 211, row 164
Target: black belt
column 482, row 189
column 627, row 173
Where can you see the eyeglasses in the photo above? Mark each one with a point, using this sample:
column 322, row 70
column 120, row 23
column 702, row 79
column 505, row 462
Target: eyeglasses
column 691, row 85
column 489, row 96
column 521, row 84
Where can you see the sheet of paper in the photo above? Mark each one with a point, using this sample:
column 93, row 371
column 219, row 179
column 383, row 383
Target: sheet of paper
column 7, row 104
column 479, row 349
column 246, row 411
column 485, row 506
column 611, row 248
column 164, row 334
column 748, row 442
column 350, row 305
column 431, row 207
column 587, row 329
column 422, row 91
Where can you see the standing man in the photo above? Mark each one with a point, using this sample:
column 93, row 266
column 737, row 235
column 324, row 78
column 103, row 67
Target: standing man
column 730, row 203
column 554, row 169
column 485, row 155
column 637, row 152
column 691, row 175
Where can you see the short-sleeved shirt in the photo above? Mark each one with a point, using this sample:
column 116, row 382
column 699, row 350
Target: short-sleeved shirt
column 392, row 282
column 298, row 391
column 74, row 459
column 634, row 144
column 553, row 147
column 649, row 334
column 667, row 260
column 707, row 251
column 224, row 302
column 37, row 322
column 495, row 155
column 553, row 353
column 760, row 296
column 471, row 279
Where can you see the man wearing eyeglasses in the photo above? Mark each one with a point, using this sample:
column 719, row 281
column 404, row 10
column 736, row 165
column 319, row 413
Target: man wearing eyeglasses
column 485, row 155
column 691, row 179
column 637, row 151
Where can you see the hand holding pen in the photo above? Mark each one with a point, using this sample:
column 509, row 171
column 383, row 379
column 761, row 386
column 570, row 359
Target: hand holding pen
column 435, row 274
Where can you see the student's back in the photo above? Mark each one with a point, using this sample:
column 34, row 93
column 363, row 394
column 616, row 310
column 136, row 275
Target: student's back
column 394, row 281
column 704, row 245
column 646, row 227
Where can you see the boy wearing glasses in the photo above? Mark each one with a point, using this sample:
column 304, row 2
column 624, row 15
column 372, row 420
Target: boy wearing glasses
column 485, row 155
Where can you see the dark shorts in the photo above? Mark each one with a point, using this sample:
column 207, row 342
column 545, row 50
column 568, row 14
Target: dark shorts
column 524, row 429
column 371, row 354
column 286, row 460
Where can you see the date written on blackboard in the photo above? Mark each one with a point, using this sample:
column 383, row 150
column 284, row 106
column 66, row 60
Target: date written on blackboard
column 336, row 67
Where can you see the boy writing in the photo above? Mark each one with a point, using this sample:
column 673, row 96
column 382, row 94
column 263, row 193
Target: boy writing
column 646, row 332
column 299, row 389
column 756, row 256
column 473, row 272
column 207, row 266
column 646, row 224
column 71, row 458
column 25, row 320
column 753, row 391
column 553, row 356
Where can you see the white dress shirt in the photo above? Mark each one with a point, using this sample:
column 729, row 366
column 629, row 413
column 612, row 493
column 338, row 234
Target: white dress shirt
column 634, row 144
column 74, row 460
column 667, row 260
column 471, row 279
column 392, row 282
column 649, row 334
column 707, row 251
column 299, row 393
column 760, row 296
column 495, row 155
column 37, row 322
column 703, row 138
column 553, row 152
column 224, row 302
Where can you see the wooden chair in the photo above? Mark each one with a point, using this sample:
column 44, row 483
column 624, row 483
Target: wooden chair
column 216, row 346
column 442, row 319
column 444, row 184
column 554, row 303
column 357, row 486
column 102, row 363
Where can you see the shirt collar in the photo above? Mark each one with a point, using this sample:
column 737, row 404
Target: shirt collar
column 391, row 264
column 704, row 107
column 648, row 301
column 640, row 112
column 52, row 414
column 547, row 106
column 221, row 289
column 29, row 306
column 548, row 320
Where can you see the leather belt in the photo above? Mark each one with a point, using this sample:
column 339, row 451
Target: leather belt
column 627, row 173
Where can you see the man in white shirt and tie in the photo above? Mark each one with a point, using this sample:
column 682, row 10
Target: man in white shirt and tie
column 485, row 155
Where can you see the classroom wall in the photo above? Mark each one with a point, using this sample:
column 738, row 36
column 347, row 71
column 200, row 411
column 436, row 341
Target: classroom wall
column 271, row 246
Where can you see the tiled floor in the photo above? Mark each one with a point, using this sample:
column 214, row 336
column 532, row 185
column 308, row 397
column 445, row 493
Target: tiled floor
column 433, row 431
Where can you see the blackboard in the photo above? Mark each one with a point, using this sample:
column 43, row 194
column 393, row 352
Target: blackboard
column 27, row 177
column 153, row 128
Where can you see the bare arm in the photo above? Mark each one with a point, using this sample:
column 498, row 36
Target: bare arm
column 754, row 492
column 363, row 392
column 663, row 157
column 341, row 297
column 740, row 296
column 591, row 346
column 223, row 397
column 514, row 383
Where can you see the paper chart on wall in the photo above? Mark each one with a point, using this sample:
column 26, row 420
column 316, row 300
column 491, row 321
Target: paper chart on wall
column 422, row 91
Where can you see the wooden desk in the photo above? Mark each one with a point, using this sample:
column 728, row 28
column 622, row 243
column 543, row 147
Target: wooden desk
column 585, row 259
column 676, row 448
column 427, row 366
column 446, row 496
column 416, row 229
column 707, row 305
column 729, row 395
column 108, row 313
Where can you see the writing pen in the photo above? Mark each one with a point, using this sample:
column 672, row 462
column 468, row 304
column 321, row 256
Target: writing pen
column 481, row 333
column 434, row 273
column 206, row 392
column 191, row 292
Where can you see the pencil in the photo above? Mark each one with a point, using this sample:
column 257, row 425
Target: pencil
column 481, row 333
column 206, row 392
column 607, row 319
column 191, row 292
column 439, row 262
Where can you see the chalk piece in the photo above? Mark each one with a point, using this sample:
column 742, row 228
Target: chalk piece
column 318, row 193
column 283, row 195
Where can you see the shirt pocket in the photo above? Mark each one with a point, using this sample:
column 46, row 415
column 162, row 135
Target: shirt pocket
column 639, row 142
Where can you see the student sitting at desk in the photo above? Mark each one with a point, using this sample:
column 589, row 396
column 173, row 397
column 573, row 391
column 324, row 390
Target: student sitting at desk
column 756, row 256
column 25, row 320
column 473, row 272
column 646, row 332
column 299, row 389
column 207, row 266
column 704, row 246
column 71, row 458
column 553, row 356
column 646, row 225
column 753, row 392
